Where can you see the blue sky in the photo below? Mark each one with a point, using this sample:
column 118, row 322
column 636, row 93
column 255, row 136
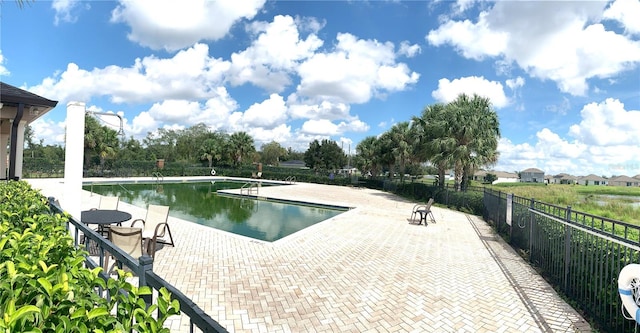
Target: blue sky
column 564, row 77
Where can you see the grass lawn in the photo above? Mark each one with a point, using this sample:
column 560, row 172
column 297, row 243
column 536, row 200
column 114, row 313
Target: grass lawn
column 615, row 202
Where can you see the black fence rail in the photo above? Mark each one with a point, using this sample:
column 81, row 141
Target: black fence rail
column 579, row 253
column 97, row 246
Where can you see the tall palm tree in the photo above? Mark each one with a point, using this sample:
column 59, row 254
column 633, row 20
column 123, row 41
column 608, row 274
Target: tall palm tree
column 365, row 151
column 431, row 130
column 241, row 146
column 402, row 141
column 473, row 135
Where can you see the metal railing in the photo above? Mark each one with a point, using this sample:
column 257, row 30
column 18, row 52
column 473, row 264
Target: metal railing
column 579, row 253
column 97, row 245
column 250, row 188
column 290, row 179
column 158, row 177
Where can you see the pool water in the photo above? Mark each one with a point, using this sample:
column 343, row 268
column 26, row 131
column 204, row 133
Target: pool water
column 199, row 203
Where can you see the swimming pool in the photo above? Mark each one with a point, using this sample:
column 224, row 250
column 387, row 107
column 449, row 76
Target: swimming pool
column 199, row 203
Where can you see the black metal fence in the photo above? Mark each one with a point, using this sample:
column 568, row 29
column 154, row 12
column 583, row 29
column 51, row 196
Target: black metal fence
column 580, row 254
column 97, row 245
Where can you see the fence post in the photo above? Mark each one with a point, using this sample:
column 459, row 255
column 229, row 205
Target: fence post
column 532, row 219
column 146, row 265
column 567, row 249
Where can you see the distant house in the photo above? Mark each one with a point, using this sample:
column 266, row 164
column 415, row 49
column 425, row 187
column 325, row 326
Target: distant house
column 502, row 177
column 563, row 178
column 532, row 175
column 592, row 180
column 623, row 181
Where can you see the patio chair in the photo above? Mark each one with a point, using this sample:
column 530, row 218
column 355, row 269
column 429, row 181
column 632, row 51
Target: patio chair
column 104, row 203
column 155, row 227
column 422, row 212
column 128, row 240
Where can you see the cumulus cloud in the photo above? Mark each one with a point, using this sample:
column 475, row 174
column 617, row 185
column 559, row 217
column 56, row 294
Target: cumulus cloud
column 448, row 90
column 268, row 114
column 604, row 142
column 356, row 71
column 409, row 50
column 172, row 25
column 267, row 66
column 607, row 124
column 189, row 74
column 570, row 48
column 626, row 13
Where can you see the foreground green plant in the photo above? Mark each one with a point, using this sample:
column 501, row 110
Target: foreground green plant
column 44, row 286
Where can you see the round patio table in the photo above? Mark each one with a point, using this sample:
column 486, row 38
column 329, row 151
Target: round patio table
column 104, row 216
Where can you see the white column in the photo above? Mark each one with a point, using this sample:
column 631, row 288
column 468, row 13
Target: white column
column 20, row 148
column 4, row 166
column 74, row 159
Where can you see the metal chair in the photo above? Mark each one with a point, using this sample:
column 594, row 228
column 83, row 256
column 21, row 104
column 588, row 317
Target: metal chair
column 155, row 227
column 128, row 240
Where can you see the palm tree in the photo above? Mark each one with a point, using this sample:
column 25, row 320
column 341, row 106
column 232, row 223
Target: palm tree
column 431, row 128
column 241, row 146
column 473, row 136
column 365, row 151
column 402, row 141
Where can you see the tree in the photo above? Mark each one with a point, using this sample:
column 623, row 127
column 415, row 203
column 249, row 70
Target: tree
column 312, row 158
column 325, row 155
column 272, row 152
column 213, row 147
column 99, row 141
column 366, row 159
column 242, row 146
column 490, row 178
column 462, row 134
column 403, row 140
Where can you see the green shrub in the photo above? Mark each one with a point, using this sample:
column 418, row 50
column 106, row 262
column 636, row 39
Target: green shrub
column 44, row 286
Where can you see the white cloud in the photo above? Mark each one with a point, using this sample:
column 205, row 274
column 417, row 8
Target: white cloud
column 409, row 50
column 354, row 72
column 172, row 25
column 627, row 12
column 473, row 40
column 267, row 66
column 3, row 69
column 607, row 124
column 190, row 74
column 603, row 143
column 568, row 49
column 448, row 90
column 66, row 10
column 268, row 114
column 317, row 110
column 516, row 83
column 320, row 127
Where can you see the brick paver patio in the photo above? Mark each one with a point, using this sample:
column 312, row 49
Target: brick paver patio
column 365, row 270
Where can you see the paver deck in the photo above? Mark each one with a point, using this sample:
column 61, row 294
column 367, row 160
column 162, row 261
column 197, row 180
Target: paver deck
column 365, row 270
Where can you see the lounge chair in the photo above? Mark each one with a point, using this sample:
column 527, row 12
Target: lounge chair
column 421, row 212
column 128, row 240
column 155, row 227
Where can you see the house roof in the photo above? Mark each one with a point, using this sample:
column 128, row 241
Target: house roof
column 592, row 177
column 499, row 174
column 565, row 176
column 532, row 170
column 10, row 95
column 623, row 178
column 637, row 176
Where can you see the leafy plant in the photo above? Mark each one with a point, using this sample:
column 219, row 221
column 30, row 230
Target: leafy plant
column 44, row 286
